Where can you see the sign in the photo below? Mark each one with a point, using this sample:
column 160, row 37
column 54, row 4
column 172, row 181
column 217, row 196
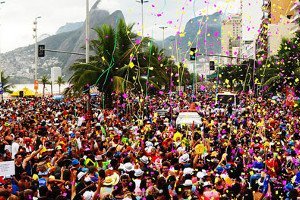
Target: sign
column 7, row 168
column 36, row 84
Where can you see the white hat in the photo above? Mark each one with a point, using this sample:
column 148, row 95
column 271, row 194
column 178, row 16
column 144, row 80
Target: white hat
column 149, row 149
column 138, row 172
column 188, row 170
column 88, row 195
column 149, row 144
column 201, row 174
column 187, row 182
column 80, row 175
column 98, row 157
column 128, row 167
column 184, row 158
column 144, row 159
column 206, row 183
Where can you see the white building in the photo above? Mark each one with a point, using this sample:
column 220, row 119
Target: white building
column 248, row 49
column 55, row 73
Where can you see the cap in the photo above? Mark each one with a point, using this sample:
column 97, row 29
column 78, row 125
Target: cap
column 75, row 162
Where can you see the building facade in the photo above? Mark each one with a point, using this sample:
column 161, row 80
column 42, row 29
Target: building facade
column 277, row 23
column 231, row 37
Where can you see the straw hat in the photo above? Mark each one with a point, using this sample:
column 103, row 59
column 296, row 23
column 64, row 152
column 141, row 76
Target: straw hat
column 112, row 179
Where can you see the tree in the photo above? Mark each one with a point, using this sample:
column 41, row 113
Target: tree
column 59, row 81
column 238, row 77
column 45, row 80
column 283, row 70
column 122, row 62
column 5, row 83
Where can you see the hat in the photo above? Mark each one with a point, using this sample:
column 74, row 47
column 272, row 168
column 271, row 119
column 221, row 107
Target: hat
column 35, row 177
column 206, row 183
column 177, row 135
column 112, row 179
column 200, row 149
column 75, row 162
column 227, row 166
column 149, row 144
column 88, row 195
column 138, row 172
column 257, row 166
column 117, row 154
column 184, row 158
column 188, row 170
column 58, row 147
column 80, row 175
column 98, row 157
column 219, row 169
column 201, row 174
column 144, row 159
column 45, row 173
column 214, row 154
column 128, row 167
column 187, row 183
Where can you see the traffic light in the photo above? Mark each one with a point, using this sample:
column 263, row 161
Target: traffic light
column 211, row 65
column 41, row 50
column 192, row 54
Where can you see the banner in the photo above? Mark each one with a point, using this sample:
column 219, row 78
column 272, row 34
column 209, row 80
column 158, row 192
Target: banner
column 7, row 168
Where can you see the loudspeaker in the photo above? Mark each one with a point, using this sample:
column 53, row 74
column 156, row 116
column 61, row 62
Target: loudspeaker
column 21, row 93
column 211, row 65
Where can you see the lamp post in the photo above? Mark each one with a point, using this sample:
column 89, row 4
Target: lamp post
column 35, row 53
column 142, row 2
column 163, row 29
column 1, row 86
column 87, row 31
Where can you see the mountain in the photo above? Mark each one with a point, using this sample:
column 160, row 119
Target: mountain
column 19, row 63
column 196, row 32
column 69, row 27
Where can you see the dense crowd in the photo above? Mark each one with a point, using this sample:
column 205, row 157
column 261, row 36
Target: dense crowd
column 251, row 151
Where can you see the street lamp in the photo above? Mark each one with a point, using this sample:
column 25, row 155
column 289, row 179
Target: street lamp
column 1, row 86
column 142, row 2
column 163, row 28
column 35, row 53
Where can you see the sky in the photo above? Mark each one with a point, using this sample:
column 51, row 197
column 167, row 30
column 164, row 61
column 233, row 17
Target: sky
column 17, row 16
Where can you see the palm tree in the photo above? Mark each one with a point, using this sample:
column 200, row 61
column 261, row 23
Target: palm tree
column 117, row 61
column 122, row 61
column 45, row 80
column 59, row 81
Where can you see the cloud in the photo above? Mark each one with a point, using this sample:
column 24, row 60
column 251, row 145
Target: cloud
column 17, row 16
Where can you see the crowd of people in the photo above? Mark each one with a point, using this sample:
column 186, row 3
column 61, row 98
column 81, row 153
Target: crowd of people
column 131, row 151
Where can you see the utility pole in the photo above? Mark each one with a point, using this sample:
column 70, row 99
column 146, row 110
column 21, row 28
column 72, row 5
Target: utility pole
column 163, row 29
column 1, row 85
column 35, row 54
column 142, row 3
